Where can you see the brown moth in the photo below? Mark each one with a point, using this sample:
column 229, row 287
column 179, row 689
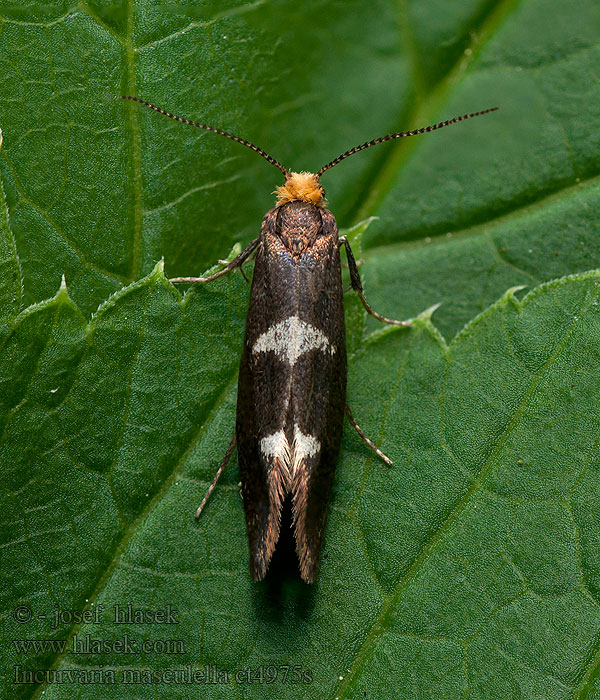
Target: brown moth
column 292, row 381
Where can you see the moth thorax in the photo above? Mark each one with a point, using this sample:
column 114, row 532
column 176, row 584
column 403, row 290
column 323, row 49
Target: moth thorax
column 301, row 187
column 298, row 224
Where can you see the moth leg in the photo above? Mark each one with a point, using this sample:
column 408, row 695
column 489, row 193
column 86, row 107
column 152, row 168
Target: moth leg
column 226, row 262
column 250, row 257
column 357, row 286
column 244, row 274
column 358, row 262
column 238, row 261
column 374, row 447
column 220, row 470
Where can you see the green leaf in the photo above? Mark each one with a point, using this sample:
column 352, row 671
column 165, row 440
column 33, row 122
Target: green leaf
column 504, row 200
column 471, row 565
column 100, row 189
column 470, row 568
column 11, row 289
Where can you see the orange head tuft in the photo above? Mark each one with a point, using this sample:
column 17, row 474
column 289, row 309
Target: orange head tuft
column 302, row 187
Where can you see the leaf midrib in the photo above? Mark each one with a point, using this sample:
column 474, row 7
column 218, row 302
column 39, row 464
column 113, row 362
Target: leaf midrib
column 429, row 547
column 424, row 112
column 136, row 148
column 375, row 191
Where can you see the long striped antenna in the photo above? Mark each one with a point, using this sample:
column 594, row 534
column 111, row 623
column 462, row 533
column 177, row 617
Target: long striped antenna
column 399, row 135
column 214, row 129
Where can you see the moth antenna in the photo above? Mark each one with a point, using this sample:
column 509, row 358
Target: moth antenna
column 214, row 129
column 400, row 135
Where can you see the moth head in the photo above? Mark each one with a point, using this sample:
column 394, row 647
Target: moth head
column 301, row 187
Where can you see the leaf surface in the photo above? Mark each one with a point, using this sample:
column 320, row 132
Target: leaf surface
column 470, row 568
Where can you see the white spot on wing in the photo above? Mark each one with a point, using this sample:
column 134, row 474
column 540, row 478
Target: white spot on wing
column 278, row 448
column 289, row 457
column 304, row 446
column 291, row 338
column 276, row 445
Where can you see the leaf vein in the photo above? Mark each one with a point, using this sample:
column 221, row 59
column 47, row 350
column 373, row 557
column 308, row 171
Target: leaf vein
column 121, row 546
column 430, row 546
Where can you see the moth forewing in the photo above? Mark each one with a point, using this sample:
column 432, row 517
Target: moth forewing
column 292, row 382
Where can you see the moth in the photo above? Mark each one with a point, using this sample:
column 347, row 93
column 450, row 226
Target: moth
column 292, row 380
